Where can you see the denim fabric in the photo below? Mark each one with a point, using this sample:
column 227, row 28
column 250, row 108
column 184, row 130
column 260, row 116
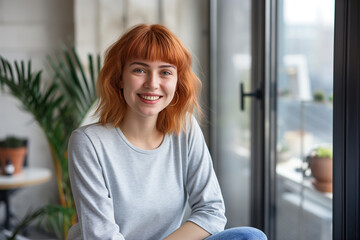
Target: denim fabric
column 239, row 233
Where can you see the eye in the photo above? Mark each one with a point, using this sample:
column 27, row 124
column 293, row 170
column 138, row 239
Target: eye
column 138, row 70
column 166, row 73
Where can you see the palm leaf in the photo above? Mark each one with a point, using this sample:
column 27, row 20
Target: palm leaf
column 49, row 217
column 59, row 107
column 84, row 78
column 63, row 75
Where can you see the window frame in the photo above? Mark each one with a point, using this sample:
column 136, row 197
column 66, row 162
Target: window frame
column 346, row 124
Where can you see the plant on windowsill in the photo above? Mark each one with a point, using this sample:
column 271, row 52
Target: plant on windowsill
column 12, row 155
column 58, row 107
column 331, row 97
column 319, row 96
column 321, row 165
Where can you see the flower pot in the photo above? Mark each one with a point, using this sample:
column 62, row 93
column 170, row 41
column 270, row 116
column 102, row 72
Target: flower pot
column 16, row 157
column 322, row 171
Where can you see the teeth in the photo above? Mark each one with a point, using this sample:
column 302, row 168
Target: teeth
column 151, row 98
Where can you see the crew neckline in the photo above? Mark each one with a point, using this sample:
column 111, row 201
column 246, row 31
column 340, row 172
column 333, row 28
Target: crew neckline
column 140, row 150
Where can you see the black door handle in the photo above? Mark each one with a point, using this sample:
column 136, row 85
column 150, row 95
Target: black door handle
column 257, row 94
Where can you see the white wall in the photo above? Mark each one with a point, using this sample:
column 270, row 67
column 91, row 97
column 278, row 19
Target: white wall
column 30, row 29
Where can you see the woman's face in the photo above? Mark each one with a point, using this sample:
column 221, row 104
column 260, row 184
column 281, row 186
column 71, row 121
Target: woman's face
column 148, row 87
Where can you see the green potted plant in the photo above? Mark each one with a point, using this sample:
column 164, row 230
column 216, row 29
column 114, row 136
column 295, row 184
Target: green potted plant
column 58, row 106
column 319, row 96
column 331, row 97
column 12, row 153
column 321, row 165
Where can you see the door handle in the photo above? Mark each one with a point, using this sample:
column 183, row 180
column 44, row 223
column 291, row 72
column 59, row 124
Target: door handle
column 257, row 94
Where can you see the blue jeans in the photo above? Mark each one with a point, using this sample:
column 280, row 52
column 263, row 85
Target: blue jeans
column 239, row 233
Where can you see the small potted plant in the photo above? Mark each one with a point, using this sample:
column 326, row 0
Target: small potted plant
column 331, row 97
column 321, row 165
column 12, row 153
column 319, row 96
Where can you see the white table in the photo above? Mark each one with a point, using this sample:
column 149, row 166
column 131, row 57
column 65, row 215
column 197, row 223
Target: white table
column 28, row 177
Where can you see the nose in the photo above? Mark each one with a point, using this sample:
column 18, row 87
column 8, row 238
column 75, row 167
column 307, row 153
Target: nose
column 152, row 81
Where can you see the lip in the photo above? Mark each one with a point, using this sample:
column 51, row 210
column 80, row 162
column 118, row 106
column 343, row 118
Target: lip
column 149, row 95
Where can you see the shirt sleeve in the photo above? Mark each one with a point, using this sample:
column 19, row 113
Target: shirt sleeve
column 205, row 198
column 94, row 205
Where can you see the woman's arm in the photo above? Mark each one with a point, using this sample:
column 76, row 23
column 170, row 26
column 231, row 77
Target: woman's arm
column 188, row 231
column 94, row 206
column 205, row 198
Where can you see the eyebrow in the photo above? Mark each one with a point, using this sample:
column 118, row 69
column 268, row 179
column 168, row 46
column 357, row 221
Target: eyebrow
column 146, row 65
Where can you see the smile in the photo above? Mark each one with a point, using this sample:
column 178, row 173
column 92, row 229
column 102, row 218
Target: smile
column 149, row 98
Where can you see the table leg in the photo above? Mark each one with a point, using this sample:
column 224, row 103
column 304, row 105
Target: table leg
column 7, row 211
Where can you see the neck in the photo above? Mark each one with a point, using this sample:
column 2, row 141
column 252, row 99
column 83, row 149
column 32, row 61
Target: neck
column 142, row 132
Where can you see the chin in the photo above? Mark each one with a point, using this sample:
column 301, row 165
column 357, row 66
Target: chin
column 150, row 113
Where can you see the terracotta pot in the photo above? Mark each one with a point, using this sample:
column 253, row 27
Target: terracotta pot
column 322, row 171
column 15, row 155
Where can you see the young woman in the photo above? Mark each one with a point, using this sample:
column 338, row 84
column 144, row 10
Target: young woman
column 134, row 171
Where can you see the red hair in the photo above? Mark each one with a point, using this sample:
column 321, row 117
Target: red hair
column 148, row 42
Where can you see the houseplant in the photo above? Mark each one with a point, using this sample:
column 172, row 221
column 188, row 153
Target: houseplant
column 321, row 165
column 319, row 96
column 13, row 150
column 58, row 107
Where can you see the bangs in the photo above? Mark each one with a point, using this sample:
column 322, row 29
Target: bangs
column 155, row 45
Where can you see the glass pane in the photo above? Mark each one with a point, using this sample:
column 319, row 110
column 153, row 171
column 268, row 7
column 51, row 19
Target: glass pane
column 304, row 119
column 232, row 126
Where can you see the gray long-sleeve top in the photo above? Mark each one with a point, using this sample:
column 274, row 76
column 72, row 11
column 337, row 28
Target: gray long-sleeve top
column 123, row 192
